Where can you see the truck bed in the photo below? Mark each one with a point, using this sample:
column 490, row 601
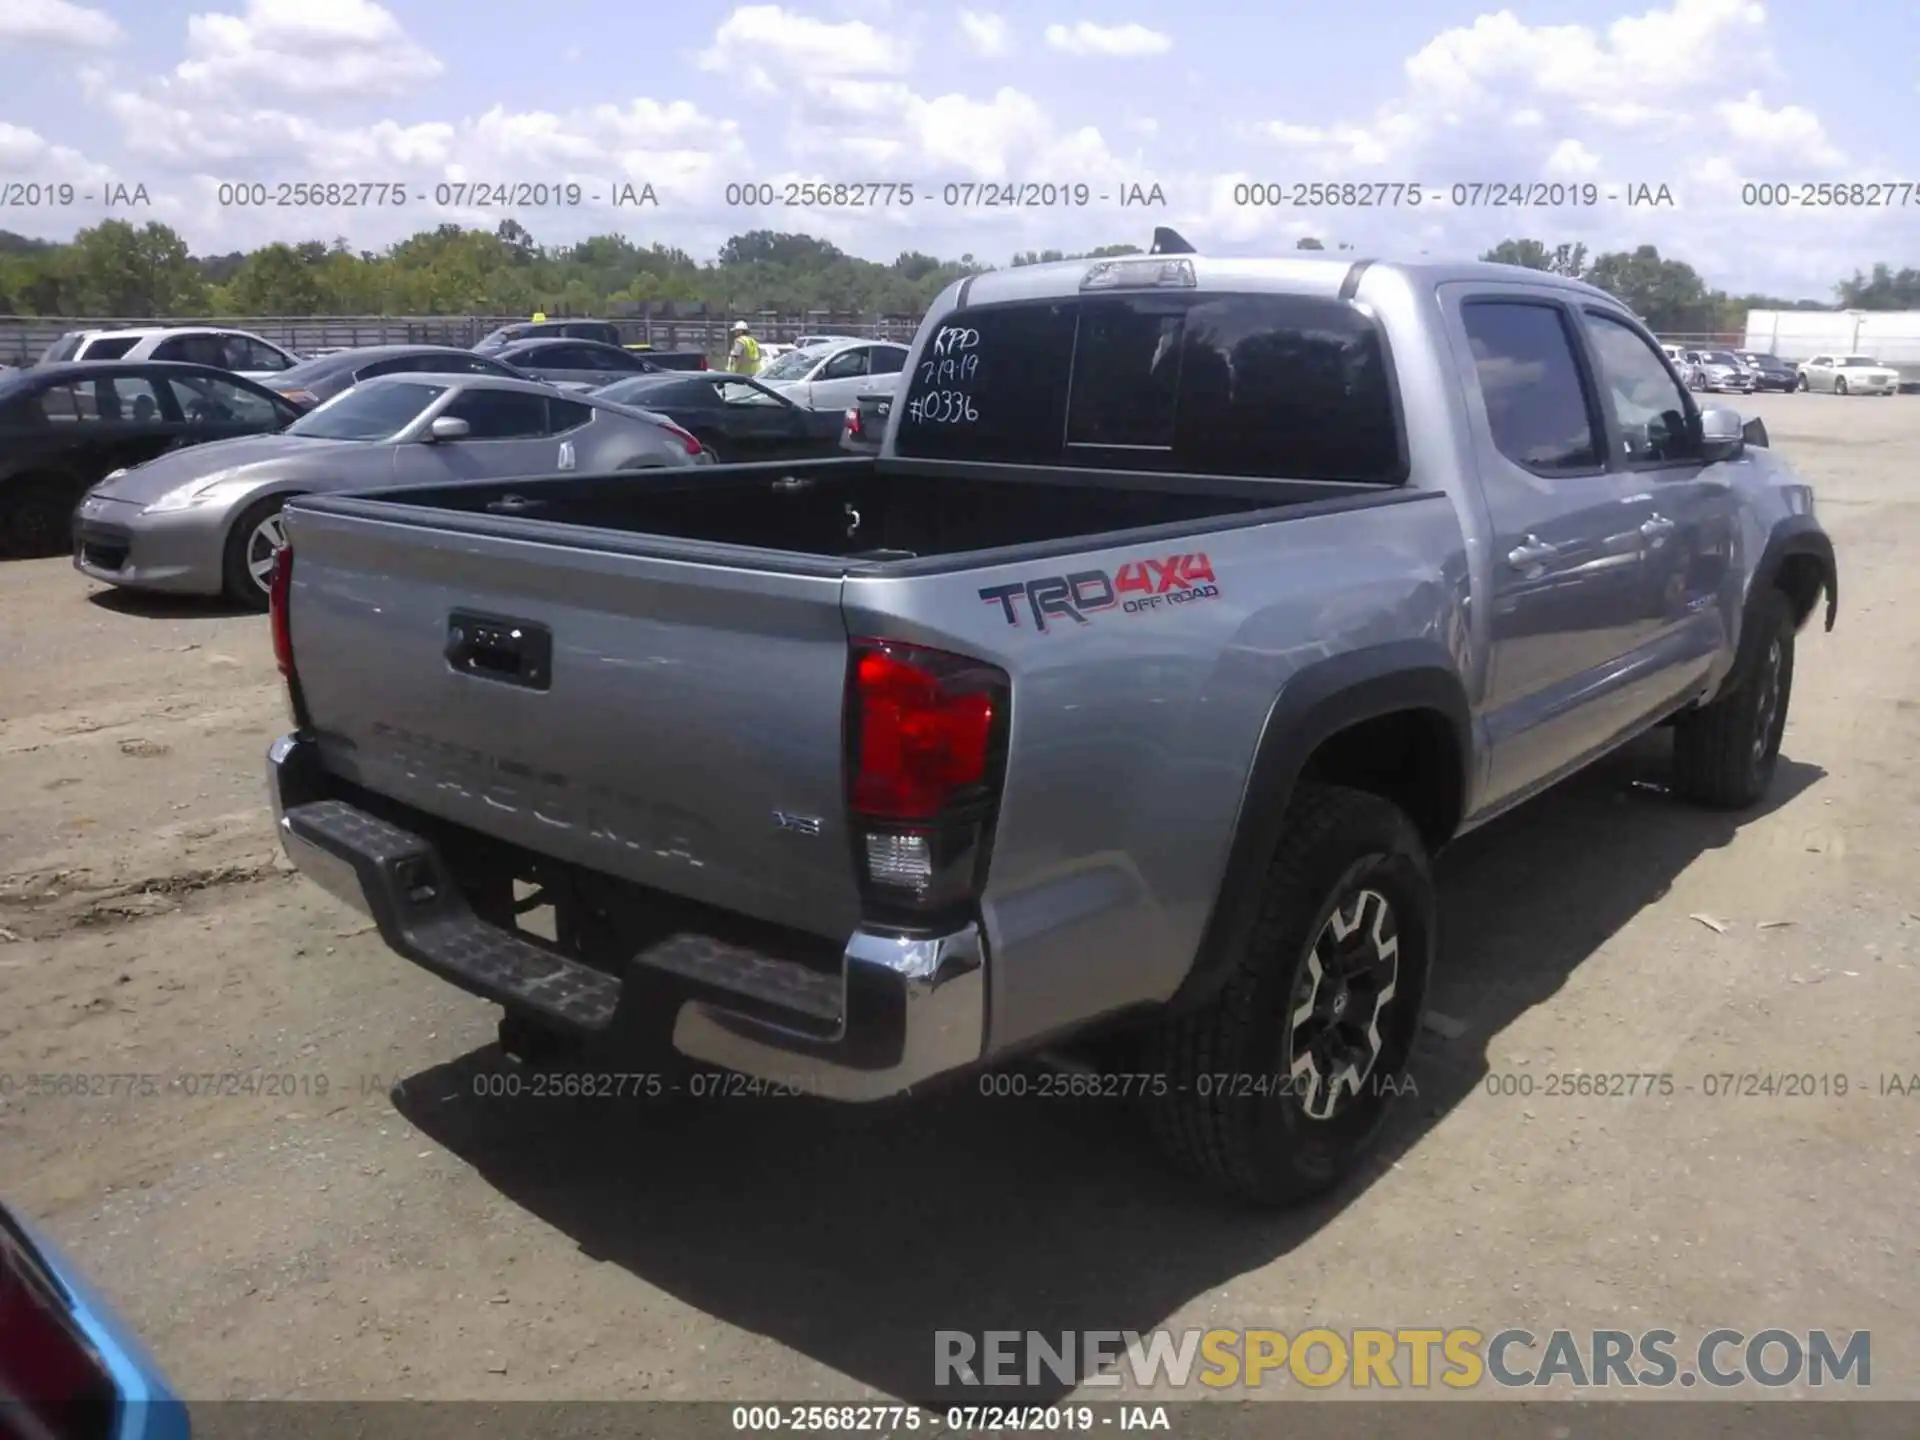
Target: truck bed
column 854, row 508
column 645, row 675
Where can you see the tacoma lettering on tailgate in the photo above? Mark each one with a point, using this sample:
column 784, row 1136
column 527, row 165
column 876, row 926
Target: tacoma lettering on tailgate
column 1137, row 587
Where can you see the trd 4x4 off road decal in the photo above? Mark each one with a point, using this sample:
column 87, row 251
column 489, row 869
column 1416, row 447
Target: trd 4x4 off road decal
column 1135, row 588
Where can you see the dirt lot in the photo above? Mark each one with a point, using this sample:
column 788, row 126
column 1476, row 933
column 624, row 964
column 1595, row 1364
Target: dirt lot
column 421, row 1241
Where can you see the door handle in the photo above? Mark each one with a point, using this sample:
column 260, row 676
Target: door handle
column 1534, row 551
column 1658, row 528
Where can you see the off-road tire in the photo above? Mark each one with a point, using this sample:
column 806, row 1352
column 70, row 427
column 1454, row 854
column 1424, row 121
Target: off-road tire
column 1725, row 753
column 236, row 578
column 1222, row 1105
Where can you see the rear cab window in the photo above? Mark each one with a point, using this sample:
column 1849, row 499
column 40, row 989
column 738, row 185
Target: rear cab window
column 1246, row 385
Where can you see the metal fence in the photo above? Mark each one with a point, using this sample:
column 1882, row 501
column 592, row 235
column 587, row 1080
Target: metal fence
column 23, row 338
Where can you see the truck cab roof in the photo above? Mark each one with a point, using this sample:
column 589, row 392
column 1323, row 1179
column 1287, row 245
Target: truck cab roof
column 1285, row 275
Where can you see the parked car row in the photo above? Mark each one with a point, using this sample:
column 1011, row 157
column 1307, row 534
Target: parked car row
column 169, row 475
column 1750, row 372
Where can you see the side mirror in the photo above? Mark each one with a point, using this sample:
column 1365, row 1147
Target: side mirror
column 1723, row 435
column 447, row 427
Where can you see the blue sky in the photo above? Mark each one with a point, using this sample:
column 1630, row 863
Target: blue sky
column 1701, row 96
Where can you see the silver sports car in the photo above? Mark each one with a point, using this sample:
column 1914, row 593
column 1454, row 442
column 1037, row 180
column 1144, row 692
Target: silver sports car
column 206, row 521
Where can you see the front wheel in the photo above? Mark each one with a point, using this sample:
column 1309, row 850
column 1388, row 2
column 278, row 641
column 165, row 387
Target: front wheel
column 1277, row 1088
column 1725, row 753
column 1803, row 385
column 251, row 543
column 1839, row 384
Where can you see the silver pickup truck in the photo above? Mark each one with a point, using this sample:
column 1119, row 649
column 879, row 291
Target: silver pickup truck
column 1189, row 607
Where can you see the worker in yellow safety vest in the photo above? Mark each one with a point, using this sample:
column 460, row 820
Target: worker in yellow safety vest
column 744, row 357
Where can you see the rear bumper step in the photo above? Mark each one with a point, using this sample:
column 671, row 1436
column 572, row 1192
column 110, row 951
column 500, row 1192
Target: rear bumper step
column 899, row 1011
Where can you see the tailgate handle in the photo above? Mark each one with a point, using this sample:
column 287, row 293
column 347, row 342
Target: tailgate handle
column 494, row 647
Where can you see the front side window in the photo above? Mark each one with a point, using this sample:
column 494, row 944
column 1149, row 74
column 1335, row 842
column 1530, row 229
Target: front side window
column 369, row 412
column 209, row 400
column 1656, row 424
column 847, row 365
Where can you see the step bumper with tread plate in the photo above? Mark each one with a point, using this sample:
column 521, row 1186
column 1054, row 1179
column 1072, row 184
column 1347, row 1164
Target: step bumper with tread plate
column 900, row 1011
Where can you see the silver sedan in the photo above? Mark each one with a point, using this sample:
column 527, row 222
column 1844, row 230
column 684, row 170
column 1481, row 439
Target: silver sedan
column 831, row 376
column 206, row 520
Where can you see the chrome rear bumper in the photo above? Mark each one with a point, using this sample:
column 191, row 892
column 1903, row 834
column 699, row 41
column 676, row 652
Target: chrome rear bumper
column 901, row 1011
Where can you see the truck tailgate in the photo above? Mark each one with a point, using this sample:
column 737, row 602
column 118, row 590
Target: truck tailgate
column 685, row 732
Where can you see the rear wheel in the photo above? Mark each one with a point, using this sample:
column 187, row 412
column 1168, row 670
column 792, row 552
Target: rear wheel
column 1803, row 384
column 1278, row 1087
column 35, row 517
column 248, row 565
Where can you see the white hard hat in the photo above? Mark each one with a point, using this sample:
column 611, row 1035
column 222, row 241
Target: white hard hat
column 739, row 325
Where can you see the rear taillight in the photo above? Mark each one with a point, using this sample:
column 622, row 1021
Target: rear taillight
column 688, row 442
column 278, row 593
column 853, row 421
column 703, row 362
column 926, row 741
column 52, row 1380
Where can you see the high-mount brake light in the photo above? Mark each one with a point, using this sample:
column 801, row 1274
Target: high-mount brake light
column 926, row 757
column 1144, row 274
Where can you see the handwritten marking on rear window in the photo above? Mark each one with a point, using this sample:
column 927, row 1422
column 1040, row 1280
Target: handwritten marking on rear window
column 952, row 339
column 943, row 407
column 949, row 370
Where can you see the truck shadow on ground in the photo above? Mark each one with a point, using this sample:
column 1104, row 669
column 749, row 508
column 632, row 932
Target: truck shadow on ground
column 160, row 605
column 852, row 1235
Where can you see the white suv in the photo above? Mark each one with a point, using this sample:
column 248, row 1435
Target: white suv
column 236, row 350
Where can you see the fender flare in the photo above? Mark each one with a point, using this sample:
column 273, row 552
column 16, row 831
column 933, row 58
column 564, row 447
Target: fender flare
column 1797, row 535
column 1316, row 703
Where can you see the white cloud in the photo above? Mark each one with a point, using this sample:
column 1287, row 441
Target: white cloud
column 1571, row 160
column 1129, row 41
column 29, row 155
column 1790, row 133
column 58, row 22
column 766, row 42
column 313, row 48
column 985, row 32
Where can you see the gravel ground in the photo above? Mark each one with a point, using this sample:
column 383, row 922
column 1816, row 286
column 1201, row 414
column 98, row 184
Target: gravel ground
column 402, row 1235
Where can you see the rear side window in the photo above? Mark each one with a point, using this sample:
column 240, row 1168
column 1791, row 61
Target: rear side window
column 1250, row 385
column 565, row 415
column 111, row 349
column 1531, row 382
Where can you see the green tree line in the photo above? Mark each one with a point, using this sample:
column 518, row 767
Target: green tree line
column 1672, row 298
column 120, row 269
